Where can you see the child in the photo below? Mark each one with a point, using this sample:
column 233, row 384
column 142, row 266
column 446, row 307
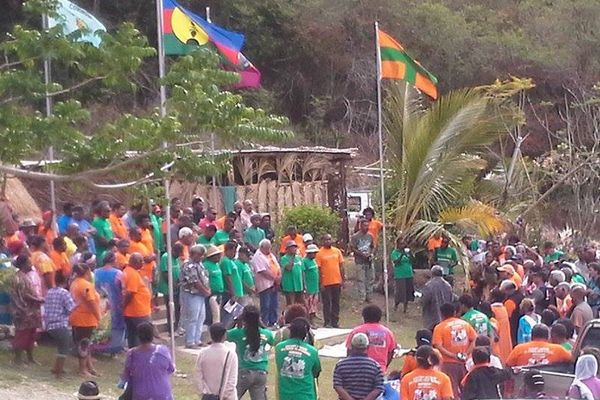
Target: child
column 57, row 308
column 483, row 380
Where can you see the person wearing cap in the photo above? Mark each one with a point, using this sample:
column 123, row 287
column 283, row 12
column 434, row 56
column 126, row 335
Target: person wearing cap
column 254, row 233
column 330, row 261
column 136, row 297
column 195, row 288
column 308, row 239
column 507, row 271
column 358, row 376
column 27, row 228
column 455, row 339
column 311, row 281
column 402, row 260
column 362, row 244
column 539, row 351
column 426, row 380
column 216, row 282
column 582, row 311
column 88, row 390
column 267, row 277
column 108, row 281
column 298, row 364
column 292, row 284
column 533, row 385
column 292, row 234
column 437, row 291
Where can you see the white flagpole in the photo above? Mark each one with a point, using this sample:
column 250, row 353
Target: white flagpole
column 212, row 135
column 163, row 113
column 382, row 177
column 49, row 112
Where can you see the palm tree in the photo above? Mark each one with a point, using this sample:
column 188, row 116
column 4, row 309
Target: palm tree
column 434, row 159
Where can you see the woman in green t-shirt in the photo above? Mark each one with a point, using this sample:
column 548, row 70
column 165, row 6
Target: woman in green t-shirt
column 292, row 282
column 311, row 281
column 402, row 260
column 253, row 357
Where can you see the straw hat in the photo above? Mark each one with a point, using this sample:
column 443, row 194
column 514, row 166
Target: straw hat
column 290, row 243
column 212, row 250
column 312, row 248
column 88, row 391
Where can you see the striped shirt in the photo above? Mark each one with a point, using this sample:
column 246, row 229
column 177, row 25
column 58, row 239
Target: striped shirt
column 359, row 375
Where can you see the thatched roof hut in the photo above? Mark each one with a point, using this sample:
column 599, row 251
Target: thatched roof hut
column 21, row 201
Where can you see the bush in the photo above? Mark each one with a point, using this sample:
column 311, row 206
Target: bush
column 312, row 219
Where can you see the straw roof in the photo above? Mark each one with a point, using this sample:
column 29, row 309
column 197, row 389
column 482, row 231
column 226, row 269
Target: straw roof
column 21, row 201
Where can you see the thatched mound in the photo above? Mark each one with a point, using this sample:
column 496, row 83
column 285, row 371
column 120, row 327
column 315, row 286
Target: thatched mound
column 21, row 201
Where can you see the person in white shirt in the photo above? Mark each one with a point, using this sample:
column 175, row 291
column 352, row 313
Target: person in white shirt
column 484, row 341
column 217, row 366
column 245, row 214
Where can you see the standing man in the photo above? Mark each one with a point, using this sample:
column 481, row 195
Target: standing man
column 382, row 342
column 85, row 228
column 298, row 364
column 163, row 283
column 362, row 245
column 455, row 339
column 254, row 234
column 358, row 376
column 331, row 278
column 245, row 215
column 137, row 297
column 137, row 246
column 582, row 311
column 435, row 293
column 478, row 320
column 234, row 288
column 103, row 237
column 445, row 256
column 292, row 234
column 267, row 277
column 194, row 290
column 116, row 221
column 209, row 219
column 198, row 209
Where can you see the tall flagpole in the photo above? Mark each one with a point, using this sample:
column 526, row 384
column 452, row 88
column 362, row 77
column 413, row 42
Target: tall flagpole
column 49, row 112
column 382, row 177
column 212, row 136
column 163, row 113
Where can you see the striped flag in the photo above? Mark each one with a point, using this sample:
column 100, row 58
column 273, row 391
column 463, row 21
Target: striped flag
column 396, row 64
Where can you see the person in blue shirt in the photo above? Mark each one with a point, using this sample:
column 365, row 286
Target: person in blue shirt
column 108, row 283
column 85, row 227
column 65, row 218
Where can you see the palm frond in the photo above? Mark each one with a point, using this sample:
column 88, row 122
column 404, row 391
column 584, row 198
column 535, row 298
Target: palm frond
column 475, row 217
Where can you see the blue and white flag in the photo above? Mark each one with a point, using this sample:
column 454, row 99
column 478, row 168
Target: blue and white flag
column 74, row 18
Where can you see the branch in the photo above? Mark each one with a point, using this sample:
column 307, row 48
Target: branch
column 59, row 92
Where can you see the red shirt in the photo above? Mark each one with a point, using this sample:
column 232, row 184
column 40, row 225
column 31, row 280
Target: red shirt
column 381, row 342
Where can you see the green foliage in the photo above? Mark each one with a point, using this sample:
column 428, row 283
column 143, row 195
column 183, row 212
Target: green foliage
column 127, row 146
column 312, row 219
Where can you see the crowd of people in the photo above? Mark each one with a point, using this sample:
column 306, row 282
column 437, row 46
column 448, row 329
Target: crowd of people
column 92, row 281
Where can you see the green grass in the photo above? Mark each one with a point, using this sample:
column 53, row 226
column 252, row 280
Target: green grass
column 403, row 326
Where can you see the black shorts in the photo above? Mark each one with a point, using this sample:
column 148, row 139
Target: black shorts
column 62, row 340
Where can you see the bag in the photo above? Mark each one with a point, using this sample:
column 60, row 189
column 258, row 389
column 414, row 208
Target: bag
column 128, row 393
column 217, row 396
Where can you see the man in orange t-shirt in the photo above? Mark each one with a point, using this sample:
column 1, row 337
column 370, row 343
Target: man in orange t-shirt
column 455, row 339
column 145, row 225
column 58, row 255
column 330, row 262
column 507, row 271
column 292, row 234
column 137, row 246
column 539, row 351
column 116, row 221
column 136, row 298
column 122, row 254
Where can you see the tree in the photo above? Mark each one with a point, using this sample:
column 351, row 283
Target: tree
column 434, row 157
column 128, row 146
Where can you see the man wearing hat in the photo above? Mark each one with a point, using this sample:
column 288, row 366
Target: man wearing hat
column 507, row 271
column 292, row 283
column 27, row 228
column 358, row 376
column 194, row 289
column 88, row 390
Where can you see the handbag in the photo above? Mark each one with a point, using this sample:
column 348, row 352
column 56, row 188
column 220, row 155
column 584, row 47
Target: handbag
column 217, row 396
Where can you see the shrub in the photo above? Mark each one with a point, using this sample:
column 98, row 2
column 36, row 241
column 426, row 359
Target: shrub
column 312, row 219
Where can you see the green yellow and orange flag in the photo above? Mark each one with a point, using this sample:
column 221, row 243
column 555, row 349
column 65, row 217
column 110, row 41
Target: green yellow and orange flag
column 396, row 64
